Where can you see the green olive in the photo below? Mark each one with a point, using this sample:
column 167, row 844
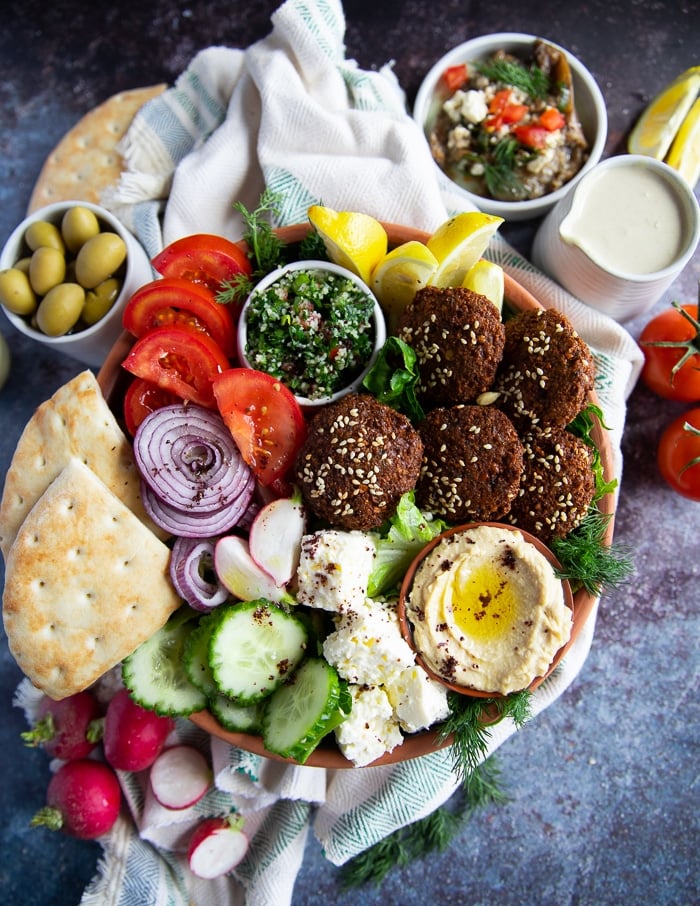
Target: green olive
column 60, row 309
column 78, row 225
column 99, row 258
column 42, row 233
column 16, row 293
column 4, row 361
column 46, row 269
column 99, row 300
column 23, row 264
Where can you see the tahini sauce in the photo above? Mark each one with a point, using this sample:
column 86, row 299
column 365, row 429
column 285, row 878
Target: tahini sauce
column 628, row 220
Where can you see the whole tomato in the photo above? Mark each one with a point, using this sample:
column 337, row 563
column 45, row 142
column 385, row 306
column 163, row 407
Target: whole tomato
column 679, row 454
column 671, row 346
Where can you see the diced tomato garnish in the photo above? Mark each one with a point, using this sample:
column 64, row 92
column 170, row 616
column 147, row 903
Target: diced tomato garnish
column 141, row 398
column 455, row 76
column 552, row 119
column 179, row 360
column 172, row 302
column 531, row 136
column 264, row 419
column 203, row 258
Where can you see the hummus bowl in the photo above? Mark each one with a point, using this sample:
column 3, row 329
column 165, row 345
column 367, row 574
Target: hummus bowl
column 114, row 381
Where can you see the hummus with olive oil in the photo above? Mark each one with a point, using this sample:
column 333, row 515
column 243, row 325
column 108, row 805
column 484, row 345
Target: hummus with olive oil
column 487, row 610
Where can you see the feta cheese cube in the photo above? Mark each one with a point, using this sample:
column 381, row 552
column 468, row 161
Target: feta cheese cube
column 418, row 700
column 334, row 569
column 367, row 646
column 371, row 728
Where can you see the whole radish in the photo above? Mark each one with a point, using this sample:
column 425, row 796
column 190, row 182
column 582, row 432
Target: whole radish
column 217, row 846
column 67, row 729
column 83, row 799
column 133, row 736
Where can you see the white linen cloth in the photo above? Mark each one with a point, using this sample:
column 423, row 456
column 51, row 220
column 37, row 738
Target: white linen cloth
column 293, row 114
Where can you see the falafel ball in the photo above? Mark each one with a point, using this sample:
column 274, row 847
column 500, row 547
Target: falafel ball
column 358, row 458
column 472, row 462
column 546, row 372
column 557, row 484
column 458, row 338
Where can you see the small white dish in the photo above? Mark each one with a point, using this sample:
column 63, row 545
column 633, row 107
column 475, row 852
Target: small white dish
column 588, row 99
column 92, row 344
column 379, row 325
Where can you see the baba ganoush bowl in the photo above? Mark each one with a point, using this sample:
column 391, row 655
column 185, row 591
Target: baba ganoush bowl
column 114, row 381
column 434, row 91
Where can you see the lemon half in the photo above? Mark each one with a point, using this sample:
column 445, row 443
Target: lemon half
column 400, row 274
column 459, row 243
column 353, row 240
column 684, row 155
column 487, row 278
column 660, row 121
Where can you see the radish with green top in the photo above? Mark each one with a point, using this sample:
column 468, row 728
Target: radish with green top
column 83, row 799
column 67, row 729
column 180, row 776
column 133, row 736
column 217, row 846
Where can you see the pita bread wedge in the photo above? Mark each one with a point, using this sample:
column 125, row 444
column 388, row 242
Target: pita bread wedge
column 86, row 583
column 75, row 422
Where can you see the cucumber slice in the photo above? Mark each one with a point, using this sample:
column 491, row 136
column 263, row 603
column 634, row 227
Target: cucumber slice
column 154, row 674
column 254, row 646
column 300, row 713
column 196, row 656
column 235, row 717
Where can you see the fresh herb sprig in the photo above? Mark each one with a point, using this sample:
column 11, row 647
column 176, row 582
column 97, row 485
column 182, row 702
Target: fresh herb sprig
column 589, row 563
column 430, row 834
column 499, row 176
column 533, row 80
column 266, row 249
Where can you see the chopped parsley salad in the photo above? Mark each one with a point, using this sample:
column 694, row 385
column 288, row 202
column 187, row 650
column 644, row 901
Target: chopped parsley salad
column 311, row 329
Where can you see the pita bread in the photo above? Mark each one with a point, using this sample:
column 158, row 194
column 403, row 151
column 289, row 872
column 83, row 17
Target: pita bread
column 86, row 583
column 75, row 422
column 86, row 160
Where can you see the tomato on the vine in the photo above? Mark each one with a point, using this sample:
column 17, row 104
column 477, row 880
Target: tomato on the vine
column 671, row 346
column 679, row 454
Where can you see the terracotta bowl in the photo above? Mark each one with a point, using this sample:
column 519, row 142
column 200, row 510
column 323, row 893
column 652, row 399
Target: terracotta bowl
column 114, row 380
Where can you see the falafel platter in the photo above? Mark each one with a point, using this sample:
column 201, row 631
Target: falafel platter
column 262, row 548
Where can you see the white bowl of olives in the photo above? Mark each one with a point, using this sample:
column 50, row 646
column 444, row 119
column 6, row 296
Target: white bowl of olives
column 66, row 273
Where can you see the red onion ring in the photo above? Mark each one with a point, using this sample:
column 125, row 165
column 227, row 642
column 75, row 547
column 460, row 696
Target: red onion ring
column 187, row 456
column 190, row 523
column 190, row 562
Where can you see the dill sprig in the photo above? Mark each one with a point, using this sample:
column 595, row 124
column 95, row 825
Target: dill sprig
column 265, row 249
column 499, row 176
column 470, row 721
column 533, row 81
column 586, row 561
column 429, row 834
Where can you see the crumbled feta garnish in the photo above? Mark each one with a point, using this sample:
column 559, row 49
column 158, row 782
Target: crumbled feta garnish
column 371, row 728
column 469, row 106
column 367, row 646
column 334, row 569
column 418, row 700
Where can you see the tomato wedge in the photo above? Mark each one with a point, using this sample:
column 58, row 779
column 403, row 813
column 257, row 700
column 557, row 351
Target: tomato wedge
column 179, row 360
column 203, row 258
column 141, row 398
column 264, row 419
column 173, row 301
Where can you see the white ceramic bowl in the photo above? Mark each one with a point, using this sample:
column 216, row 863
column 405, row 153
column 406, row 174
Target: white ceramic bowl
column 92, row 344
column 589, row 101
column 329, row 267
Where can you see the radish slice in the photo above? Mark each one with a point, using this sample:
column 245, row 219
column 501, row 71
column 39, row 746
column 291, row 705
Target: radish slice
column 237, row 570
column 216, row 847
column 275, row 537
column 180, row 777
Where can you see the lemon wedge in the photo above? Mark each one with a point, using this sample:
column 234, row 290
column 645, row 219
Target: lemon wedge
column 353, row 240
column 660, row 121
column 400, row 274
column 486, row 278
column 459, row 243
column 684, row 155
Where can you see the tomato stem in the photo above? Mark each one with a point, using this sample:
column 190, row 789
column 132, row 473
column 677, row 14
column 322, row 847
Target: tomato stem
column 690, row 345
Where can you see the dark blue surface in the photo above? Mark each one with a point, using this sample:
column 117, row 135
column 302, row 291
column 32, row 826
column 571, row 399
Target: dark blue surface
column 603, row 785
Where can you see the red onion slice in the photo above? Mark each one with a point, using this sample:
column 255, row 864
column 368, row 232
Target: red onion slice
column 192, row 573
column 187, row 456
column 190, row 523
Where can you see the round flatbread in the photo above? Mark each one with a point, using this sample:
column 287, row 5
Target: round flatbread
column 86, row 160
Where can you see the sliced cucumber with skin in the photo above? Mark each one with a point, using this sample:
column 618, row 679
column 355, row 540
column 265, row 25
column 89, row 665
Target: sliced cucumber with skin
column 299, row 714
column 196, row 656
column 254, row 647
column 234, row 717
column 154, row 672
